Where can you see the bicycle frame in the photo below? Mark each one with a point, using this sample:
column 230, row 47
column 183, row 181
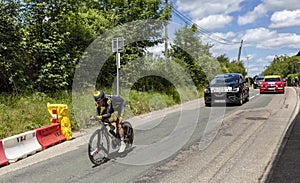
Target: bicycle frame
column 104, row 140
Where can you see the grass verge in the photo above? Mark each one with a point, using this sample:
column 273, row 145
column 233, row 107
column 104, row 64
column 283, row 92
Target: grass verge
column 20, row 113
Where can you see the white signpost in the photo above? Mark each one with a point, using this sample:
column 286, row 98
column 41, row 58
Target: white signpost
column 118, row 46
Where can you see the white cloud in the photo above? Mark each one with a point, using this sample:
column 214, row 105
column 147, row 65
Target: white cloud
column 218, row 14
column 267, row 6
column 264, row 38
column 250, row 17
column 219, row 45
column 266, row 60
column 227, row 35
column 285, row 18
column 198, row 9
column 258, row 35
column 277, row 5
column 214, row 21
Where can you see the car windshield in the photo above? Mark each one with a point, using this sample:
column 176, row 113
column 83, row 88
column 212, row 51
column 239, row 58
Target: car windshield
column 272, row 79
column 259, row 79
column 225, row 80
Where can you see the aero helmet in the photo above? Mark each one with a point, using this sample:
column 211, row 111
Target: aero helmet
column 99, row 95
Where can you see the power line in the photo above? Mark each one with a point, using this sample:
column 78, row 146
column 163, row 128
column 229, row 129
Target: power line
column 202, row 30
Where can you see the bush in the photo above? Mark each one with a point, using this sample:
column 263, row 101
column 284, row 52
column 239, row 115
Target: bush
column 24, row 112
column 20, row 113
column 289, row 79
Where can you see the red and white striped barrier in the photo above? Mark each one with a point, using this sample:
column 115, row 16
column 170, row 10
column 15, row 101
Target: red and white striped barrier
column 54, row 116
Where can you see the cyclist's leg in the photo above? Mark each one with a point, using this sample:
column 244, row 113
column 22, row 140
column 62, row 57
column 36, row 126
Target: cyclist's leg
column 121, row 132
column 120, row 119
column 120, row 128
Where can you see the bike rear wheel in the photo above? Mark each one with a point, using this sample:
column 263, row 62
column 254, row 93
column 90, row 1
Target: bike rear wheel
column 98, row 148
column 128, row 133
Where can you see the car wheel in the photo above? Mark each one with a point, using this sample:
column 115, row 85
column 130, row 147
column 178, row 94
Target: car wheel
column 241, row 100
column 207, row 104
column 247, row 98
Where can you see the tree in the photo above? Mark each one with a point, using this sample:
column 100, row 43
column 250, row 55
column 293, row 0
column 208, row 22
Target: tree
column 284, row 66
column 59, row 33
column 43, row 40
column 193, row 55
column 231, row 66
column 121, row 12
column 12, row 60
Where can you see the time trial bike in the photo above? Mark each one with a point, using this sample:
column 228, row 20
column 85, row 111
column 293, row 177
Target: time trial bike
column 106, row 140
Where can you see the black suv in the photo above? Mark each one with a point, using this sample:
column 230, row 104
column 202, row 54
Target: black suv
column 227, row 88
column 257, row 81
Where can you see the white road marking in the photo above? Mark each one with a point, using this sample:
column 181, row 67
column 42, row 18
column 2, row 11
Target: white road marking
column 254, row 96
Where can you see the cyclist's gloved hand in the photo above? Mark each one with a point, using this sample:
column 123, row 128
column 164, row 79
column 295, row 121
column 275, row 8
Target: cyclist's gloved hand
column 93, row 118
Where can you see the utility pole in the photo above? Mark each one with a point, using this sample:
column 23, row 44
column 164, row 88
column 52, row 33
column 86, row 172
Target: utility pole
column 166, row 32
column 240, row 50
column 247, row 67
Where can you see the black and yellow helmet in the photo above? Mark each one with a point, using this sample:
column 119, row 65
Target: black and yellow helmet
column 99, row 95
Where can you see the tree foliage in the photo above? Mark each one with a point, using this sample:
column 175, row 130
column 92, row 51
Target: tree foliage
column 42, row 42
column 188, row 50
column 12, row 59
column 286, row 66
column 195, row 56
column 231, row 66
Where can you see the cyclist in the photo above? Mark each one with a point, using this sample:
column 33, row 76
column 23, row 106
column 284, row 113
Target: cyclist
column 105, row 111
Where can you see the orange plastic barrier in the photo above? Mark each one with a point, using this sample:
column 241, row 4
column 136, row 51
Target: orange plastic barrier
column 50, row 135
column 3, row 158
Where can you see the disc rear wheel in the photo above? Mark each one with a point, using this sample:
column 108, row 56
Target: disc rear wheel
column 128, row 133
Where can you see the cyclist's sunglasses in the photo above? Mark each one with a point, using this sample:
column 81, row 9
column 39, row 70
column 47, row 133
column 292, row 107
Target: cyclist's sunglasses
column 99, row 100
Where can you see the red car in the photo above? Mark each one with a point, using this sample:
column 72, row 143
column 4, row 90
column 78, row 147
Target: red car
column 272, row 83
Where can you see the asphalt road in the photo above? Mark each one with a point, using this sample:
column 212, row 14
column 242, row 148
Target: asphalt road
column 217, row 144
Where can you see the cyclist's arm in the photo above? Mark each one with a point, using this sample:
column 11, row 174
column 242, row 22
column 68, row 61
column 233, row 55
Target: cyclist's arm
column 107, row 111
column 98, row 111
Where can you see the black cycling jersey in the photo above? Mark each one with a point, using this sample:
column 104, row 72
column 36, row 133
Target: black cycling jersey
column 112, row 104
column 108, row 109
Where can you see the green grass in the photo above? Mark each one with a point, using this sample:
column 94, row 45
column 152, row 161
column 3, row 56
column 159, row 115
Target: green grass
column 20, row 113
column 26, row 112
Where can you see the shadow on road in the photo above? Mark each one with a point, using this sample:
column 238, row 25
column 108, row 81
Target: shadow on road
column 115, row 155
column 286, row 167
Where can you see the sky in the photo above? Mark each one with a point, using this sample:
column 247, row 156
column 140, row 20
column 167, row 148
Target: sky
column 268, row 28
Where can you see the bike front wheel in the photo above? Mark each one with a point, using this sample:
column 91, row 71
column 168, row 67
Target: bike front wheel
column 98, row 148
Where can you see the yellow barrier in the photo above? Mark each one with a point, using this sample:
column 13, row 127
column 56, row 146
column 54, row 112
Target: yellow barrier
column 59, row 114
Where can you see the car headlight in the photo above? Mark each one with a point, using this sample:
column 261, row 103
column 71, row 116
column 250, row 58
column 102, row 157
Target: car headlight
column 207, row 90
column 235, row 89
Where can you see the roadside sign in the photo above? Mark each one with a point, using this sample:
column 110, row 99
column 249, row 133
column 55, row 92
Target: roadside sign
column 118, row 44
